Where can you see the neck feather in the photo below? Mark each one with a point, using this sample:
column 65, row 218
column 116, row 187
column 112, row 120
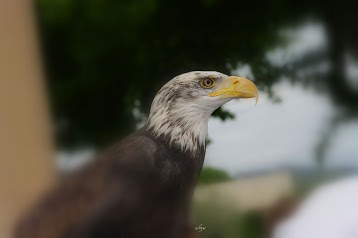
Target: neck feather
column 186, row 128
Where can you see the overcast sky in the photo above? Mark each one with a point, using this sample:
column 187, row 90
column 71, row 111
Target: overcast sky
column 270, row 134
column 285, row 133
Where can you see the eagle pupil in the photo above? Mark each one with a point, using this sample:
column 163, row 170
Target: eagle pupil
column 208, row 82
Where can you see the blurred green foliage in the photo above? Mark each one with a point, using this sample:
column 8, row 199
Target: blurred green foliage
column 212, row 175
column 104, row 58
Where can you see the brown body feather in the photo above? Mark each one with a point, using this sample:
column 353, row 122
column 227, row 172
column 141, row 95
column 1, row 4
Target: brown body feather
column 140, row 187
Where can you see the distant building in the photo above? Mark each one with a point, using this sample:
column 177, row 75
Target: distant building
column 249, row 193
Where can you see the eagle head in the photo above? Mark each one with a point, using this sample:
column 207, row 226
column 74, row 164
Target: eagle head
column 181, row 109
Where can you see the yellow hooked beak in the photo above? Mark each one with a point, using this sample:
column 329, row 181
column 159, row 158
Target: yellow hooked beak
column 237, row 88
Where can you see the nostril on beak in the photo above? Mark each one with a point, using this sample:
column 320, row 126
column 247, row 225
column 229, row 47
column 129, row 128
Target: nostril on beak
column 235, row 81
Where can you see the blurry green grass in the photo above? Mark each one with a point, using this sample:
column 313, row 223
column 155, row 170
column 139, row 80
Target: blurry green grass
column 218, row 218
column 222, row 222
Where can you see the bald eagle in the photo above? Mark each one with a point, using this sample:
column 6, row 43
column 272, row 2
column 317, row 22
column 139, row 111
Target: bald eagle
column 142, row 186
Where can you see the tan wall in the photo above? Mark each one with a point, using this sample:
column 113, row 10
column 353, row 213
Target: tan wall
column 250, row 193
column 26, row 150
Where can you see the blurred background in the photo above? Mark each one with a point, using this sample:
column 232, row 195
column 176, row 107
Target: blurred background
column 77, row 75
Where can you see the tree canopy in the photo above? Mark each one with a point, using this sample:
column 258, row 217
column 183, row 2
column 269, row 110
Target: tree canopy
column 211, row 175
column 106, row 58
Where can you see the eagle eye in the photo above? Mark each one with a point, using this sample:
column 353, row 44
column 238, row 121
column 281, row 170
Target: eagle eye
column 207, row 83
